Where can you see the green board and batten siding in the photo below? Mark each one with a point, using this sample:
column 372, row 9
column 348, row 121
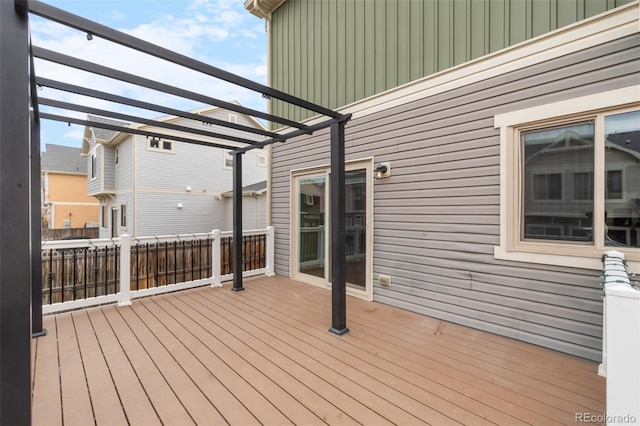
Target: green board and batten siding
column 334, row 53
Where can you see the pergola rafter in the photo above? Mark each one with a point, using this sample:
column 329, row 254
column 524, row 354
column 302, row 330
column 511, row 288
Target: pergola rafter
column 20, row 168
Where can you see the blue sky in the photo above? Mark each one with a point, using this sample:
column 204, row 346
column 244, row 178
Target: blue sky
column 218, row 32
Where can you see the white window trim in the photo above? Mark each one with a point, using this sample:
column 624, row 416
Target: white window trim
column 325, row 169
column 261, row 159
column 160, row 148
column 93, row 164
column 510, row 248
column 226, row 154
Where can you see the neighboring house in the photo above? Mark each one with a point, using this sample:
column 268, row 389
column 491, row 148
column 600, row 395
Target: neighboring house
column 509, row 131
column 254, row 206
column 148, row 186
column 65, row 203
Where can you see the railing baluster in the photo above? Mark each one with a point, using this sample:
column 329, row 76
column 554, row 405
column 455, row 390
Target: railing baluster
column 75, row 264
column 166, row 263
column 137, row 267
column 62, row 276
column 84, row 277
column 96, row 270
column 193, row 257
column 50, row 277
column 175, row 262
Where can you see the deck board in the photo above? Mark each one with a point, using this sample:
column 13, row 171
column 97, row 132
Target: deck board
column 265, row 356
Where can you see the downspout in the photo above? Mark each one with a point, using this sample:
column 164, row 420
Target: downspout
column 135, row 183
column 267, row 19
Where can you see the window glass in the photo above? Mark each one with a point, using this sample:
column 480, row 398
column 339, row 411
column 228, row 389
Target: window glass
column 558, row 182
column 622, row 186
column 123, row 215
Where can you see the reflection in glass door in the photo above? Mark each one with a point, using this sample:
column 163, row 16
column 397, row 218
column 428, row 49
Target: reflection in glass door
column 311, row 225
column 356, row 227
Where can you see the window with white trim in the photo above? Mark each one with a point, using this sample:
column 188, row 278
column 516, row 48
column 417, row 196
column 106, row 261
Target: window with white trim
column 93, row 165
column 157, row 144
column 123, row 215
column 261, row 158
column 570, row 181
column 227, row 159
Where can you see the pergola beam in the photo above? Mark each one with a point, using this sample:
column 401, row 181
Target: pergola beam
column 141, row 120
column 66, row 87
column 70, row 61
column 65, row 18
column 123, row 129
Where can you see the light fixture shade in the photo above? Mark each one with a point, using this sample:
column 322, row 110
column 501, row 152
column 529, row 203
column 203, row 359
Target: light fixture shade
column 382, row 170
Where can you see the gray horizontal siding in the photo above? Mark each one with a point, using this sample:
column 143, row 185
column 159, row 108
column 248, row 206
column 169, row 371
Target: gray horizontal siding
column 158, row 214
column 436, row 220
column 94, row 186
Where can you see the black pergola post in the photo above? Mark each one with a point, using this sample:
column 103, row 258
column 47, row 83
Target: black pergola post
column 237, row 221
column 15, row 241
column 36, row 231
column 338, row 232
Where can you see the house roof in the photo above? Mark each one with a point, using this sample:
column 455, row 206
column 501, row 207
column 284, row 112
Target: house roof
column 262, row 8
column 61, row 158
column 104, row 134
column 254, row 188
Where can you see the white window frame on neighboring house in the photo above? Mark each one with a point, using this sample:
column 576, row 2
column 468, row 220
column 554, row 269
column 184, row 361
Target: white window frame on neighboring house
column 514, row 126
column 227, row 160
column 93, row 165
column 123, row 216
column 261, row 158
column 163, row 145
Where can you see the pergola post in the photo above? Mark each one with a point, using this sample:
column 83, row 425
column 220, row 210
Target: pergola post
column 237, row 221
column 338, row 232
column 15, row 241
column 36, row 231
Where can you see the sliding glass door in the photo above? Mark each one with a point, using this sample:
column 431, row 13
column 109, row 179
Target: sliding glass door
column 311, row 239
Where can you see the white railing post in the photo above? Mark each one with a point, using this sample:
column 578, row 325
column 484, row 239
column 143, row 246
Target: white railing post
column 270, row 270
column 216, row 278
column 621, row 342
column 125, row 270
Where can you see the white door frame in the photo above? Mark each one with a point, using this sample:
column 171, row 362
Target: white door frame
column 324, row 170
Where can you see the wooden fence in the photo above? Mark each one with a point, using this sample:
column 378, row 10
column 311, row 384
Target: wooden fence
column 90, row 271
column 64, row 233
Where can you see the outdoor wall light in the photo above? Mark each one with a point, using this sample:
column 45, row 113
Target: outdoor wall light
column 382, row 170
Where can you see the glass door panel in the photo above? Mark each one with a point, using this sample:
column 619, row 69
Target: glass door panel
column 356, row 227
column 311, row 225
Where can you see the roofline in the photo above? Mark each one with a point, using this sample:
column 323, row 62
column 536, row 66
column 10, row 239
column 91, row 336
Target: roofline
column 120, row 137
column 262, row 8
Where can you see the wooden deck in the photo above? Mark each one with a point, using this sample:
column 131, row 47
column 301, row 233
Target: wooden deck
column 264, row 356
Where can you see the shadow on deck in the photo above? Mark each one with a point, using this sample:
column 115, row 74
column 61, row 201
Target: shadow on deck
column 264, row 356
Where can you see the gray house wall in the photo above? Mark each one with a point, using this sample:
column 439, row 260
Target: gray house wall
column 94, row 186
column 436, row 220
column 254, row 212
column 177, row 191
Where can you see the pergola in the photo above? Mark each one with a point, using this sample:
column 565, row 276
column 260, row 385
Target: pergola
column 20, row 116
